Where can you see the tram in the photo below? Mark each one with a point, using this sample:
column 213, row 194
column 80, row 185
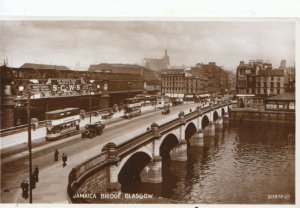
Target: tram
column 62, row 123
column 132, row 107
column 146, row 99
column 163, row 102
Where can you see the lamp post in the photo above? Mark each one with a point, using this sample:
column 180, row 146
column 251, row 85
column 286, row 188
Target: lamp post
column 29, row 144
column 90, row 91
column 90, row 106
column 129, row 83
column 156, row 94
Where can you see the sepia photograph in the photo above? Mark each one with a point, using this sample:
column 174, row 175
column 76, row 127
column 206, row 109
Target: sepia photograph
column 148, row 111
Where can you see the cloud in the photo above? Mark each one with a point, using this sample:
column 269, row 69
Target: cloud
column 187, row 42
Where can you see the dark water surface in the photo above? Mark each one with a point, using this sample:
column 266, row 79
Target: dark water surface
column 247, row 164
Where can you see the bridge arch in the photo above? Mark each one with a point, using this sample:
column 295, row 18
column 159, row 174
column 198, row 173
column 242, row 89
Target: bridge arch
column 190, row 130
column 132, row 167
column 205, row 122
column 215, row 115
column 168, row 143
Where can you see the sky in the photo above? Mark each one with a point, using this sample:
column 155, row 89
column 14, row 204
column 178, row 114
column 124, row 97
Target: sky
column 188, row 42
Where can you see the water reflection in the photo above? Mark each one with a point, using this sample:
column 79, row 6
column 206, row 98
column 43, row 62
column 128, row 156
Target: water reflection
column 240, row 164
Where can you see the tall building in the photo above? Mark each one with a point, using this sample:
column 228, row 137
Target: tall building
column 246, row 75
column 173, row 82
column 151, row 78
column 258, row 78
column 204, row 78
column 157, row 64
column 213, row 77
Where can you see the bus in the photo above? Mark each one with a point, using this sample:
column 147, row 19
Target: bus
column 62, row 123
column 132, row 107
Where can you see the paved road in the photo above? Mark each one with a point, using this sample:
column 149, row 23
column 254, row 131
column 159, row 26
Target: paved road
column 40, row 133
column 53, row 177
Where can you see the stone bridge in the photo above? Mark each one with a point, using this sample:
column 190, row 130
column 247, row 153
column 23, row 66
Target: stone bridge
column 141, row 157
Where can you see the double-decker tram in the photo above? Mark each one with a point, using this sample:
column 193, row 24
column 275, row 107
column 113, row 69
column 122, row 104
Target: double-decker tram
column 132, row 107
column 162, row 102
column 62, row 123
column 146, row 99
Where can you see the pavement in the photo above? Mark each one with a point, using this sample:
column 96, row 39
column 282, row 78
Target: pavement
column 53, row 177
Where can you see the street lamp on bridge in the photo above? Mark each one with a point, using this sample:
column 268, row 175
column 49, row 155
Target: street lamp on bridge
column 90, row 92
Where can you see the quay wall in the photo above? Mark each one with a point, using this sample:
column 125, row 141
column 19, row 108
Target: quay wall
column 267, row 116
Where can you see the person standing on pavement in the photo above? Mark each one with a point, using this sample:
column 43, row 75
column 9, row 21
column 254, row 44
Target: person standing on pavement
column 36, row 174
column 25, row 187
column 64, row 159
column 33, row 182
column 56, row 153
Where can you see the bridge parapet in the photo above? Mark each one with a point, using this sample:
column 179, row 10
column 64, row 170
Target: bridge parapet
column 99, row 172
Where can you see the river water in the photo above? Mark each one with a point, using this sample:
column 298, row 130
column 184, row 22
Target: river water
column 244, row 163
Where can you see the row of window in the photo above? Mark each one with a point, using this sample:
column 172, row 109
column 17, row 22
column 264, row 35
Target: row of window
column 262, row 84
column 171, row 78
column 281, row 106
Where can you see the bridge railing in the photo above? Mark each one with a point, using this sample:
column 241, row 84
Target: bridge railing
column 88, row 167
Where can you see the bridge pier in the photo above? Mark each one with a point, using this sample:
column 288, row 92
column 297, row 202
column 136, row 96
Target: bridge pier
column 219, row 123
column 179, row 153
column 210, row 130
column 152, row 172
column 197, row 139
column 226, row 118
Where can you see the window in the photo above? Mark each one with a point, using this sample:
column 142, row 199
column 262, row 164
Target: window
column 292, row 105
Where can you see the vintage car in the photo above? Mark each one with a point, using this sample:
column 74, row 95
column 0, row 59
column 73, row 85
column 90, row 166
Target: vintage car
column 93, row 129
column 165, row 111
column 107, row 115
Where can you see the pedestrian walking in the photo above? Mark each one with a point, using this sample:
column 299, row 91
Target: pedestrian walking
column 36, row 174
column 64, row 159
column 24, row 187
column 56, row 153
column 32, row 185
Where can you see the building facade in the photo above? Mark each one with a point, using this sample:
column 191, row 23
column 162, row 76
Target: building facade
column 258, row 78
column 212, row 77
column 157, row 64
column 202, row 79
column 269, row 82
column 173, row 82
column 282, row 102
column 53, row 87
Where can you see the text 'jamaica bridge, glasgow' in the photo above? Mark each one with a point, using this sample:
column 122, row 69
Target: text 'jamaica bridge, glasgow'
column 141, row 155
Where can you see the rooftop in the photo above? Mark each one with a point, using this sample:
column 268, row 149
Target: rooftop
column 285, row 96
column 44, row 66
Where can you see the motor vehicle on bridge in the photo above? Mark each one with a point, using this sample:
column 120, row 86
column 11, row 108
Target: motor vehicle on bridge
column 93, row 129
column 107, row 115
column 166, row 111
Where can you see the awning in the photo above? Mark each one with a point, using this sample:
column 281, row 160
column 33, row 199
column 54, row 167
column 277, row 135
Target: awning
column 175, row 95
column 203, row 95
column 245, row 95
column 189, row 96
